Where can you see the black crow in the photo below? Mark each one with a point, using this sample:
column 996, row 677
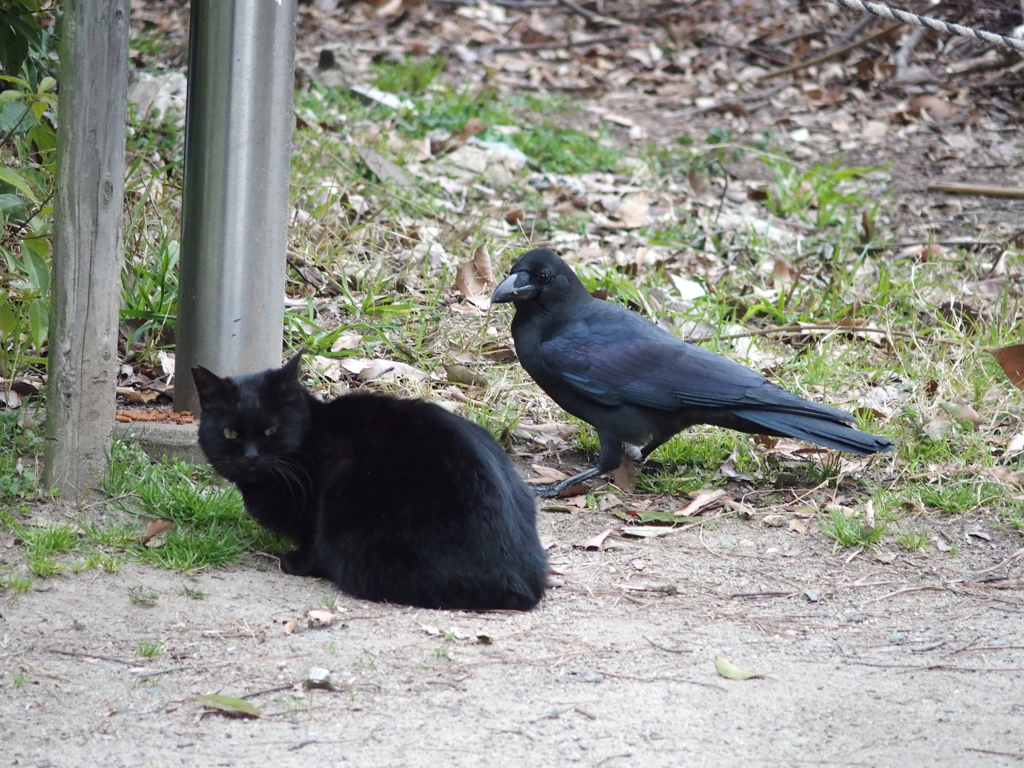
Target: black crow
column 637, row 384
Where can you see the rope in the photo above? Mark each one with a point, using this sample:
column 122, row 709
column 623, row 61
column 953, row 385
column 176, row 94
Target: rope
column 924, row 21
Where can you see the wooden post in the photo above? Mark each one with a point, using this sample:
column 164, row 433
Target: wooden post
column 87, row 243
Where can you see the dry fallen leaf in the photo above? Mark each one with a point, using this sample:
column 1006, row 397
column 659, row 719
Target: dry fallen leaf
column 320, row 618
column 461, row 374
column 475, row 278
column 143, row 396
column 701, row 499
column 289, row 626
column 366, row 370
column 961, row 412
column 937, row 429
column 727, row 669
column 347, row 341
column 228, row 705
column 1011, row 360
column 597, row 542
column 547, row 475
column 154, row 528
column 633, row 210
column 384, row 169
column 934, row 106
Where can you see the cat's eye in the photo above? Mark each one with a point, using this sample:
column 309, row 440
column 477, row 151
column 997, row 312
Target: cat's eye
column 269, row 431
column 229, row 433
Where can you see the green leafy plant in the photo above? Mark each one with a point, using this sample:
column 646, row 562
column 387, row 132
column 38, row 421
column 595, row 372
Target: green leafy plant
column 411, row 75
column 823, row 195
column 28, row 151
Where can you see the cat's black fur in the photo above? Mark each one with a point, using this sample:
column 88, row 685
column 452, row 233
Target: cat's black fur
column 392, row 500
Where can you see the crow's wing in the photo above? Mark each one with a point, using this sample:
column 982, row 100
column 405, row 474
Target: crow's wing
column 614, row 357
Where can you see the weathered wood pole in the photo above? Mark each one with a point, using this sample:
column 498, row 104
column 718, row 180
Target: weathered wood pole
column 86, row 287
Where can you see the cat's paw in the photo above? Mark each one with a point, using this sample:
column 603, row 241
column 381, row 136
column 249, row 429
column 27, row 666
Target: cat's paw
column 297, row 563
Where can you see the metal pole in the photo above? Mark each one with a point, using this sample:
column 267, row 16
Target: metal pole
column 234, row 217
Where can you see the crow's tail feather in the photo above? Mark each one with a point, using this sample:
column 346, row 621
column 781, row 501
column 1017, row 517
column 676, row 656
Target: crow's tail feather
column 830, row 434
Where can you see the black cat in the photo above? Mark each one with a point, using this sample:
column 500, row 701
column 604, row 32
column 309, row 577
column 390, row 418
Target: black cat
column 392, row 500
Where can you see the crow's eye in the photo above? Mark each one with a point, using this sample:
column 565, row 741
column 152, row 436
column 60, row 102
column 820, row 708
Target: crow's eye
column 229, row 433
column 545, row 277
column 269, row 431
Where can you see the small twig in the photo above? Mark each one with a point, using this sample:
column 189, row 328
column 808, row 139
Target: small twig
column 665, row 648
column 93, row 656
column 835, row 53
column 831, row 327
column 903, row 592
column 1018, row 755
column 763, row 594
column 268, row 690
column 1015, row 556
column 961, row 650
column 160, row 672
column 952, row 188
column 934, row 667
column 661, row 679
column 552, row 46
column 612, row 757
column 931, row 647
column 505, row 3
column 593, row 18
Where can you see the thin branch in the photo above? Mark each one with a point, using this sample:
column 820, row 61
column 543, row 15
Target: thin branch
column 553, row 46
column 829, row 327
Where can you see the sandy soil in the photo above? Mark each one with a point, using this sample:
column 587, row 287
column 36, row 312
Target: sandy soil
column 881, row 659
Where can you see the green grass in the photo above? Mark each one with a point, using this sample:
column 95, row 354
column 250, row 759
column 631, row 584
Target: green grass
column 849, row 531
column 149, row 649
column 210, row 526
column 411, row 75
column 912, row 541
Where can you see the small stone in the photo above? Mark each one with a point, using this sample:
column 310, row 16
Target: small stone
column 593, row 678
column 786, row 480
column 774, row 521
column 318, row 677
column 814, row 595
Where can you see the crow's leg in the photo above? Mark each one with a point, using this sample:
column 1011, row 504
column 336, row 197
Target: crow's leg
column 552, row 490
column 654, row 445
column 610, row 458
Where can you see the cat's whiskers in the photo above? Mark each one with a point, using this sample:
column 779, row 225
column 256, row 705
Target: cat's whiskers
column 294, row 473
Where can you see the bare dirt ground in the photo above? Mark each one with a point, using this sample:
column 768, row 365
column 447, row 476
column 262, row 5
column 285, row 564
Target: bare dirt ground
column 866, row 658
column 879, row 659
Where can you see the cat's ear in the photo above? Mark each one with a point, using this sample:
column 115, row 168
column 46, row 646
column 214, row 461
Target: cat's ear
column 209, row 385
column 286, row 378
column 290, row 370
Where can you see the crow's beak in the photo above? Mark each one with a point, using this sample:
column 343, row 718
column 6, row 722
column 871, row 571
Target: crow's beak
column 515, row 287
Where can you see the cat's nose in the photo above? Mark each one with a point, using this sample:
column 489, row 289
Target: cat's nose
column 251, row 451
